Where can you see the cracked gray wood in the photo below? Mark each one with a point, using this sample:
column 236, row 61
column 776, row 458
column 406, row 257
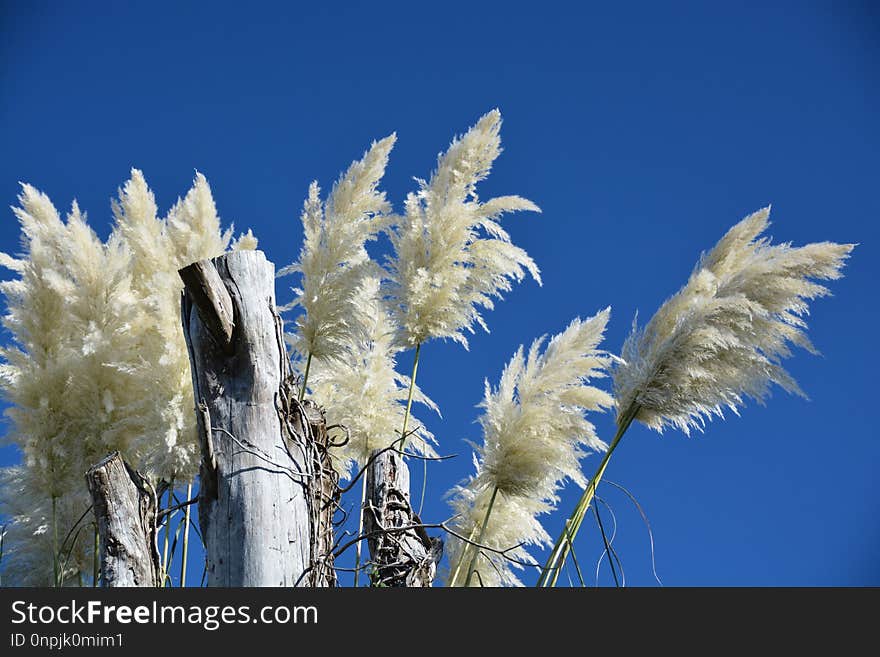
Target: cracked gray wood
column 254, row 496
column 404, row 558
column 124, row 505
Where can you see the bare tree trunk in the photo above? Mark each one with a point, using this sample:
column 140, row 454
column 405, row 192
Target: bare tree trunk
column 124, row 504
column 254, row 502
column 403, row 557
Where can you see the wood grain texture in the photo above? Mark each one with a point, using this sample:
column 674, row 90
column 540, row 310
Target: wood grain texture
column 209, row 294
column 124, row 505
column 400, row 557
column 254, row 500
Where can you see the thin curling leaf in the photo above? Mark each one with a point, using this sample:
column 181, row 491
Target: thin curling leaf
column 451, row 257
column 723, row 336
column 333, row 260
column 361, row 389
column 535, row 432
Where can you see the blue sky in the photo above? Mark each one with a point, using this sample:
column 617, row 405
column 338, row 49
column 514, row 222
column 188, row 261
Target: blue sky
column 643, row 131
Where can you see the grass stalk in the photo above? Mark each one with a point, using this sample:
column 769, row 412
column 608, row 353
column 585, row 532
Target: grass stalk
column 409, row 397
column 473, row 564
column 556, row 560
column 185, row 535
column 302, row 391
column 577, row 566
column 455, row 573
column 359, row 545
column 608, row 548
column 170, row 503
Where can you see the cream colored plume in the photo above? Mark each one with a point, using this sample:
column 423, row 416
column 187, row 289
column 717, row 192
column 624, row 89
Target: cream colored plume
column 722, row 337
column 333, row 260
column 535, row 433
column 451, row 256
column 361, row 389
column 97, row 360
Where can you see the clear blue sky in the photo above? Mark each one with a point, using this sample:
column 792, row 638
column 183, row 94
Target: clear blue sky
column 643, row 131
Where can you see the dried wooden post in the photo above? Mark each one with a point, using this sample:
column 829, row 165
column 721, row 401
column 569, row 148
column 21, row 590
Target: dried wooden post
column 124, row 504
column 400, row 558
column 254, row 498
column 308, row 420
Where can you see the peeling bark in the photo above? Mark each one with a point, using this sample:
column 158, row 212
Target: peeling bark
column 124, row 504
column 402, row 558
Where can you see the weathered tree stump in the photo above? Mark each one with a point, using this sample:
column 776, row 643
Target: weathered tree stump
column 124, row 504
column 254, row 502
column 400, row 557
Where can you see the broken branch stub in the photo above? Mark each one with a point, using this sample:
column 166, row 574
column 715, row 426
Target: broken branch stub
column 124, row 504
column 400, row 557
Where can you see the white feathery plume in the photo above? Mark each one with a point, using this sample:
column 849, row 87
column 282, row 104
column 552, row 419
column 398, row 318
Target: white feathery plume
column 67, row 375
column 722, row 337
column 194, row 227
column 27, row 545
column 333, row 260
column 167, row 446
column 534, row 435
column 98, row 362
column 245, row 242
column 451, row 256
column 361, row 389
column 69, row 314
